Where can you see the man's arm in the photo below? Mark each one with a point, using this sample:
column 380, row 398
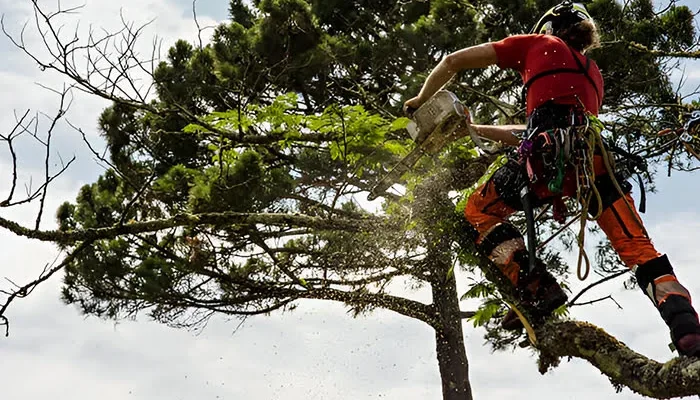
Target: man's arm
column 480, row 56
column 497, row 133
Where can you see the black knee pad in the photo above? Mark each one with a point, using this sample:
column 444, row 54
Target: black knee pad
column 650, row 270
column 522, row 257
column 500, row 234
column 469, row 231
column 508, row 180
column 608, row 192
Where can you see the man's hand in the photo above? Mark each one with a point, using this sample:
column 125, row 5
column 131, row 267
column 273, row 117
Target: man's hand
column 410, row 106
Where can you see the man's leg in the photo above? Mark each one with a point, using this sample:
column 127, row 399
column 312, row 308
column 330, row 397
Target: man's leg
column 487, row 210
column 653, row 271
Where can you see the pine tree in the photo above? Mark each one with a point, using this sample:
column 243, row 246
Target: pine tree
column 240, row 189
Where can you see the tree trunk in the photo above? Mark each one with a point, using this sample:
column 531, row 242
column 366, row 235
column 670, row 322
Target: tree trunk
column 435, row 210
column 451, row 354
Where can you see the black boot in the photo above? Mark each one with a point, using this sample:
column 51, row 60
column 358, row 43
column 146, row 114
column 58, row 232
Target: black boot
column 540, row 291
column 659, row 283
column 681, row 318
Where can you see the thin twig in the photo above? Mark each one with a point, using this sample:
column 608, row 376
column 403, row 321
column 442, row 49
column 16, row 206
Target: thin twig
column 588, row 303
column 196, row 22
column 591, row 286
column 62, row 109
column 9, row 138
column 44, row 276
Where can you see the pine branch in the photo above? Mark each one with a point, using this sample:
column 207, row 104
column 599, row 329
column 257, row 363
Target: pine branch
column 223, row 219
column 365, row 299
column 662, row 53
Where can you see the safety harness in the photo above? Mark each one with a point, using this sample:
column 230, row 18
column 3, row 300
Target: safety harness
column 582, row 69
column 547, row 155
column 571, row 141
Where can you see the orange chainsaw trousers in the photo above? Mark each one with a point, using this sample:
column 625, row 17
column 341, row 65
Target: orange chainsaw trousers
column 492, row 203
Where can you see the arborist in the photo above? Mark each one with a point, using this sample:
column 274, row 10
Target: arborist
column 560, row 155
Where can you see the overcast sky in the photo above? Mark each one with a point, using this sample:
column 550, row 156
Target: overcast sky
column 317, row 352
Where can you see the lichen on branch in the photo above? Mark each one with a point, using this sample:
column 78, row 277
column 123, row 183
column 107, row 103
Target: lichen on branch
column 678, row 377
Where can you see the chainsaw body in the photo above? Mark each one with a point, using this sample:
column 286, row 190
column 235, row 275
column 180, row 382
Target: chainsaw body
column 439, row 116
column 435, row 124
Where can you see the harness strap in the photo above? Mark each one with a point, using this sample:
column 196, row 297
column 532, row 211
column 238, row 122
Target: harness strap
column 584, row 71
column 637, row 163
column 588, row 143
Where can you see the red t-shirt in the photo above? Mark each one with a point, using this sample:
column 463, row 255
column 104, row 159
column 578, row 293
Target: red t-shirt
column 533, row 54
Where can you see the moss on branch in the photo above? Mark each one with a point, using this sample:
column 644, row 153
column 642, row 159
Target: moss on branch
column 678, row 377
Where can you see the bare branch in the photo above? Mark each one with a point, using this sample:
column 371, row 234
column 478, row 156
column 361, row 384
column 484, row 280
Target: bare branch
column 588, row 303
column 62, row 109
column 136, row 197
column 9, row 139
column 592, row 285
column 27, row 289
column 403, row 306
column 257, row 239
column 196, row 22
column 33, row 195
column 63, row 55
column 104, row 159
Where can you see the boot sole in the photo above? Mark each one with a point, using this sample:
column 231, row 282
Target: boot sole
column 514, row 324
column 693, row 352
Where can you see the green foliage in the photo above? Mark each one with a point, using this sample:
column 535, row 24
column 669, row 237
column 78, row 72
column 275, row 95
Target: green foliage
column 240, row 182
column 294, row 108
column 479, row 290
column 678, row 28
column 561, row 312
column 492, row 168
column 240, row 13
column 486, row 312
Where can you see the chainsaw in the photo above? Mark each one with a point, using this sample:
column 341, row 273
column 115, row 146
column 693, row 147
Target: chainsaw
column 438, row 122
